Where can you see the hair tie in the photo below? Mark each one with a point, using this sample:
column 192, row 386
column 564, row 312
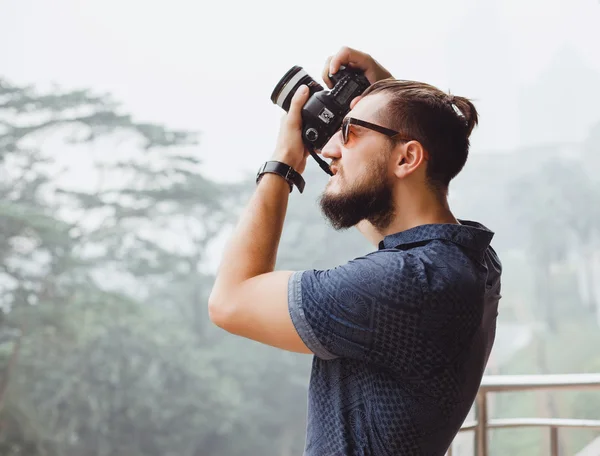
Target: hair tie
column 456, row 110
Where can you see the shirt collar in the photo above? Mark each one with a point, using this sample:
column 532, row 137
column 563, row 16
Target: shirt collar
column 471, row 235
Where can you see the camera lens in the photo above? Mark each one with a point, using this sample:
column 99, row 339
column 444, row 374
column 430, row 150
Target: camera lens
column 289, row 83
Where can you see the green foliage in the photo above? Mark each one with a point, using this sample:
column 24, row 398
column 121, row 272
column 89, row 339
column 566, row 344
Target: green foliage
column 117, row 356
column 545, row 214
column 108, row 288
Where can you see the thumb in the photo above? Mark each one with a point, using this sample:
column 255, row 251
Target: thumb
column 298, row 100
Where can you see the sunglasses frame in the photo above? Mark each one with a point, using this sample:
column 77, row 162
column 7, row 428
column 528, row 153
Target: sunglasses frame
column 345, row 128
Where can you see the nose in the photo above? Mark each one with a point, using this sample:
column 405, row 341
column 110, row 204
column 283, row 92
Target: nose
column 333, row 148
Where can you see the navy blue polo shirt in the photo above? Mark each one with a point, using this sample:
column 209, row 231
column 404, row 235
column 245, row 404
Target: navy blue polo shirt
column 401, row 337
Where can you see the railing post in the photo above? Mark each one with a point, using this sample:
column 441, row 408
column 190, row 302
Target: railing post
column 554, row 441
column 505, row 383
column 482, row 418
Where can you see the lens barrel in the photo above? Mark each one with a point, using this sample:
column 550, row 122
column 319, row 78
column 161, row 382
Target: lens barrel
column 289, row 83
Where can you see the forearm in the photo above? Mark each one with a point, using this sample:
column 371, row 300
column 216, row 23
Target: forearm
column 252, row 248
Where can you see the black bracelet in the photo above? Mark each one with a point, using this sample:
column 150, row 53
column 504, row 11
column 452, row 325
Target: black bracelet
column 291, row 176
column 258, row 178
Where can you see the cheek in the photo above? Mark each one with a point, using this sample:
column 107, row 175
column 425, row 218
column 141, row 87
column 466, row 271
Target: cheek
column 374, row 173
column 351, row 164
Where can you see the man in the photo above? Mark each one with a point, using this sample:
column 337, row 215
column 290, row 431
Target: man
column 401, row 336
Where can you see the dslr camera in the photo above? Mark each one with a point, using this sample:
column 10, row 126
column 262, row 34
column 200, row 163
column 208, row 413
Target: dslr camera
column 323, row 113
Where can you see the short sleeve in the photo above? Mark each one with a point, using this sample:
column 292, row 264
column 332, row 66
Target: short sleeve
column 364, row 309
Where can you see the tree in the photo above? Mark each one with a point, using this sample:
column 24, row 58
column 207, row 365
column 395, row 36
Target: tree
column 84, row 274
column 557, row 206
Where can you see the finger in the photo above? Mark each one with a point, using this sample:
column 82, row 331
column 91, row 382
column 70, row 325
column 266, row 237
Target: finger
column 298, row 100
column 325, row 75
column 349, row 56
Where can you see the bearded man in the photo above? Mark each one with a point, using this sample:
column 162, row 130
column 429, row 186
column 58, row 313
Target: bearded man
column 400, row 336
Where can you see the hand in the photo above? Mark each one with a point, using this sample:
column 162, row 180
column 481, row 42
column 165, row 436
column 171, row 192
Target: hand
column 290, row 149
column 354, row 59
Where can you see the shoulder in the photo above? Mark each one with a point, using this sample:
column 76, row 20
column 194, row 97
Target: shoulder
column 383, row 274
column 352, row 308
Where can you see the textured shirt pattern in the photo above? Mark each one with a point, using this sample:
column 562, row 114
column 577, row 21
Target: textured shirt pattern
column 401, row 337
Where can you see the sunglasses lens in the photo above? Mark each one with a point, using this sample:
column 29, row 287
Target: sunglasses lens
column 345, row 126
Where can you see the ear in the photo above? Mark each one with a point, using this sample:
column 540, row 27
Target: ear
column 354, row 101
column 409, row 157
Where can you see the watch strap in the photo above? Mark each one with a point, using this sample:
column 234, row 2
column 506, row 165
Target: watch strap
column 287, row 172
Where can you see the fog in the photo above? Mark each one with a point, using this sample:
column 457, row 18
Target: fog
column 130, row 133
column 211, row 66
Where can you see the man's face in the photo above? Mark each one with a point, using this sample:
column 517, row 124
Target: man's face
column 362, row 186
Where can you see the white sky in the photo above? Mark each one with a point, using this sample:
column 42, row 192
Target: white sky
column 211, row 66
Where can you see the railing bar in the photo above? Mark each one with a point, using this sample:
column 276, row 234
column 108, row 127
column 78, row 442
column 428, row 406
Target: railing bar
column 543, row 387
column 494, row 381
column 498, row 383
column 516, row 383
column 481, row 432
column 543, row 422
column 554, row 441
column 469, row 426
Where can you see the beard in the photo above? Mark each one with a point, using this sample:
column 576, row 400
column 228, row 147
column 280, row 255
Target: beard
column 369, row 199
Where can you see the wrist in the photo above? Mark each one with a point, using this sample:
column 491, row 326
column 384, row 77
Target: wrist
column 287, row 160
column 284, row 170
column 293, row 155
column 277, row 179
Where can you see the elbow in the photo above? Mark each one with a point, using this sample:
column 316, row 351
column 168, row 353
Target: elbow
column 218, row 312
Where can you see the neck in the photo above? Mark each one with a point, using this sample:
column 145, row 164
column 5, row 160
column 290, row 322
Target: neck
column 424, row 209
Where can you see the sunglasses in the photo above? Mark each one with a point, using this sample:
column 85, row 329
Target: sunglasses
column 345, row 128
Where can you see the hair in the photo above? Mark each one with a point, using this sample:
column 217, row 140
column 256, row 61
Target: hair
column 441, row 122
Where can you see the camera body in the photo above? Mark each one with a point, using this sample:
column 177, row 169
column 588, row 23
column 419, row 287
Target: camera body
column 323, row 113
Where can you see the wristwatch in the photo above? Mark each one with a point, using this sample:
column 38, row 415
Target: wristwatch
column 287, row 172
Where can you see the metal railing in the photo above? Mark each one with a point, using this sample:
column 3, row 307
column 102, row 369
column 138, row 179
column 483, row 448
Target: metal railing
column 512, row 383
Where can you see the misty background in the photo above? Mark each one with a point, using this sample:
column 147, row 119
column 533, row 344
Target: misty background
column 130, row 134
